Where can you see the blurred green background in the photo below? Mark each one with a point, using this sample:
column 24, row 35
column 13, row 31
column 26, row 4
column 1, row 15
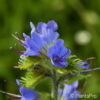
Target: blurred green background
column 79, row 26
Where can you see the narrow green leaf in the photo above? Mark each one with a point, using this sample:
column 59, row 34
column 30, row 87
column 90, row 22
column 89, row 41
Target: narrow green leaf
column 79, row 77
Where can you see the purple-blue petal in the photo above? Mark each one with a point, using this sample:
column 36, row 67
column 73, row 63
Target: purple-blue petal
column 55, row 49
column 28, row 94
column 18, row 82
column 30, row 52
column 74, row 95
column 65, row 52
column 75, row 84
column 37, row 40
column 33, row 45
column 27, row 38
column 59, row 63
column 32, row 27
column 50, row 36
column 67, row 90
column 70, row 91
column 84, row 64
column 40, row 27
column 60, row 92
column 52, row 25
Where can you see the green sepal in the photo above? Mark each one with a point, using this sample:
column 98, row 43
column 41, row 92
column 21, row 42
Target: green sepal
column 27, row 62
column 73, row 64
column 31, row 78
column 73, row 60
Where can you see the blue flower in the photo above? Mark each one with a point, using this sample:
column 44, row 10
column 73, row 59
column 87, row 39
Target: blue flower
column 84, row 65
column 69, row 92
column 33, row 45
column 43, row 36
column 58, row 54
column 48, row 31
column 26, row 93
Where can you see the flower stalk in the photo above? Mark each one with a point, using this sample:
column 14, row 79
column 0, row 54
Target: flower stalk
column 55, row 85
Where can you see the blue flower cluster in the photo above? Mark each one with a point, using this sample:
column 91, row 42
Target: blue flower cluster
column 44, row 39
column 69, row 92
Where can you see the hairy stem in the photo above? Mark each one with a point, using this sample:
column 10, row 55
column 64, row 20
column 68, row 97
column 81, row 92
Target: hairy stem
column 10, row 94
column 55, row 85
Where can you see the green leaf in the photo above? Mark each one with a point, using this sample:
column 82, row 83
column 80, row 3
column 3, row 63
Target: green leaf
column 79, row 77
column 44, row 85
column 44, row 96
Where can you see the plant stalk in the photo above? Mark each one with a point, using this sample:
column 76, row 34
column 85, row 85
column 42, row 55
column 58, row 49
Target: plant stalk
column 55, row 85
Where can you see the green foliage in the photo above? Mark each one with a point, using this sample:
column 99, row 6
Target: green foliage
column 30, row 79
column 73, row 65
column 44, row 96
column 27, row 62
column 78, row 77
column 73, row 60
column 44, row 85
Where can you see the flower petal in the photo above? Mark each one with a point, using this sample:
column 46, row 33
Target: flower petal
column 28, row 94
column 32, row 27
column 55, row 49
column 75, row 84
column 52, row 25
column 18, row 82
column 59, row 64
column 40, row 27
column 37, row 40
column 30, row 52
